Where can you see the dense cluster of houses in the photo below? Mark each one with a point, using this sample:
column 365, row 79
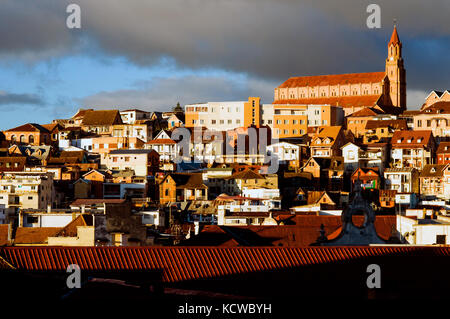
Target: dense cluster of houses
column 112, row 178
column 301, row 171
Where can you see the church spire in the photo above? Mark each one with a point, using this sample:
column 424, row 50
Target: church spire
column 396, row 73
column 394, row 37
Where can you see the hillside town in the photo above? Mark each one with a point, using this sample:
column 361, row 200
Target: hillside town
column 334, row 160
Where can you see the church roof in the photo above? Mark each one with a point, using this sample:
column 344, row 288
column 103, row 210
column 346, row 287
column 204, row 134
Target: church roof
column 343, row 101
column 334, row 79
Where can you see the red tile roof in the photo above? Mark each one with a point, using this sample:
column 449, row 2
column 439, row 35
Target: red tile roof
column 343, row 101
column 334, row 79
column 400, row 139
column 29, row 127
column 162, row 141
column 367, row 111
column 34, row 235
column 189, row 263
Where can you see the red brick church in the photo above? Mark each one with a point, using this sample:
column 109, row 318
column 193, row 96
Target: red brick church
column 385, row 90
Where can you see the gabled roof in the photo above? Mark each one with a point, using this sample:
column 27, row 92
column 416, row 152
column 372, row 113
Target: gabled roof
column 414, row 139
column 324, row 134
column 187, row 180
column 335, row 162
column 29, row 127
column 442, row 107
column 314, row 197
column 246, row 174
column 102, row 117
column 433, row 170
column 366, row 173
column 70, row 230
column 367, row 111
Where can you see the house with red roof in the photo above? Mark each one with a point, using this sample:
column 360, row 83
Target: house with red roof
column 30, row 134
column 413, row 149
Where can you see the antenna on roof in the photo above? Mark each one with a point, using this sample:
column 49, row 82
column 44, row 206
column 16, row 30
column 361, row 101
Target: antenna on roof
column 395, row 22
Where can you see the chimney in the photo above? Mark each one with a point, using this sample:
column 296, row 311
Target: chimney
column 83, row 208
column 49, row 208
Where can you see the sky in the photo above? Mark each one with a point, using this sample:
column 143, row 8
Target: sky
column 152, row 54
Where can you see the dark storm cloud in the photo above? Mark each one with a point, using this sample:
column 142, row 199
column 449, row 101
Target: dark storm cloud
column 13, row 98
column 267, row 39
column 161, row 94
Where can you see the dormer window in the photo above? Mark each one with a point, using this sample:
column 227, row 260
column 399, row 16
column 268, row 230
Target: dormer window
column 433, row 170
column 419, row 140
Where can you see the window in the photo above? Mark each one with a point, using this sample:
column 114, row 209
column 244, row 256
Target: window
column 213, row 121
column 440, row 239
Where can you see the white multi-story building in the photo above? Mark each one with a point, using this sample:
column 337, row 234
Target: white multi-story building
column 131, row 116
column 223, row 116
column 403, row 180
column 372, row 155
column 27, row 190
column 285, row 152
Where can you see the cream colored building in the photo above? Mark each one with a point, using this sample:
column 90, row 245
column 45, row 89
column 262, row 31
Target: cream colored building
column 293, row 120
column 223, row 116
column 137, row 160
column 27, row 190
column 140, row 131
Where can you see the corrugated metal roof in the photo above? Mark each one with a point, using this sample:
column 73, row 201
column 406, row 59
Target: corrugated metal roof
column 189, row 263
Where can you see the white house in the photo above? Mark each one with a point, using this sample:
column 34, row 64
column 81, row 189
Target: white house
column 424, row 231
column 403, row 180
column 285, row 151
column 368, row 155
column 164, row 145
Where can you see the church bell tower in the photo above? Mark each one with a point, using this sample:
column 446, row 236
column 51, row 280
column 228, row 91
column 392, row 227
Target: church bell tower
column 395, row 71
